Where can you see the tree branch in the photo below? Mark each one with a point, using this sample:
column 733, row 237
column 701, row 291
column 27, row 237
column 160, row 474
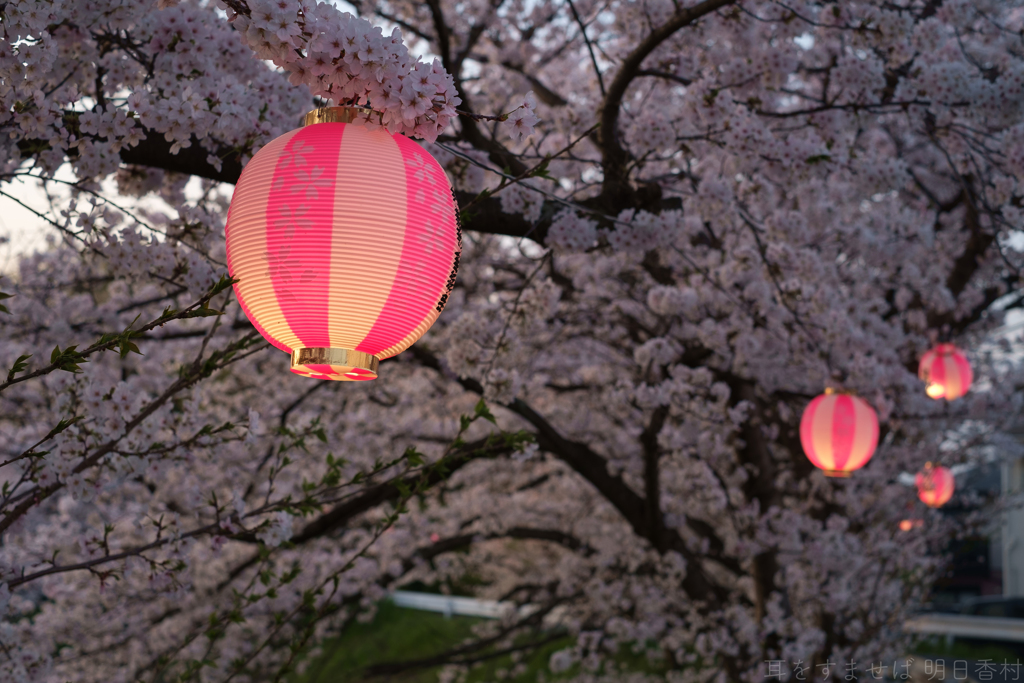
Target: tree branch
column 594, row 468
column 616, row 190
column 652, row 482
column 374, row 496
column 155, row 152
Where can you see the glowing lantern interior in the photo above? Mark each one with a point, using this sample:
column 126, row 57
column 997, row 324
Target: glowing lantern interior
column 946, row 372
column 935, row 485
column 839, row 433
column 345, row 242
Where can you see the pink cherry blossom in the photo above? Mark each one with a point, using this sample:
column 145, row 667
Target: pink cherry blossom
column 681, row 222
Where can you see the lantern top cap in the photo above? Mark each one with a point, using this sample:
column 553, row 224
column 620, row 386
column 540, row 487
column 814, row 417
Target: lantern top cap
column 335, row 115
column 838, row 474
column 946, row 348
column 839, row 390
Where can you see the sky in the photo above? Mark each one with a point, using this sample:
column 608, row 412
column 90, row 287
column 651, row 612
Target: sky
column 21, row 231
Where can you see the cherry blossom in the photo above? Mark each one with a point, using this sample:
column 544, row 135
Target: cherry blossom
column 682, row 221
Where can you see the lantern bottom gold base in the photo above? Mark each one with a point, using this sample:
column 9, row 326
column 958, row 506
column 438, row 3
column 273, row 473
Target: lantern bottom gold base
column 336, row 364
column 835, row 473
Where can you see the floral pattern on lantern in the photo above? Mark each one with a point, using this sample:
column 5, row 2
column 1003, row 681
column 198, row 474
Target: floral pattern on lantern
column 345, row 242
column 946, row 372
column 935, row 485
column 839, row 433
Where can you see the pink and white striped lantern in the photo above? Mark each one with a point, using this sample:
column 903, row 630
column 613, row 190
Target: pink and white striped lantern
column 345, row 243
column 935, row 485
column 946, row 372
column 839, row 433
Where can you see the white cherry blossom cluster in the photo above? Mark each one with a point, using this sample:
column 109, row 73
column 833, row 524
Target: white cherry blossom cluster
column 795, row 206
column 643, row 230
column 344, row 58
column 519, row 199
column 522, row 119
column 572, row 232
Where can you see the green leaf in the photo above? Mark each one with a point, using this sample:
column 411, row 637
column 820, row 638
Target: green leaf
column 64, row 424
column 222, row 284
column 128, row 347
column 481, row 410
column 542, row 170
column 321, row 434
column 818, row 158
column 68, row 359
column 414, row 457
column 5, row 295
column 19, row 366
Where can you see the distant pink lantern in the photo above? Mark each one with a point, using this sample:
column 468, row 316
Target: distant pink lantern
column 345, row 242
column 946, row 372
column 935, row 485
column 839, row 433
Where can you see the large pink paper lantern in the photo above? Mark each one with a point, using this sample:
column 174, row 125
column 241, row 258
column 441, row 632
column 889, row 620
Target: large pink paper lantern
column 935, row 485
column 839, row 433
column 946, row 372
column 345, row 243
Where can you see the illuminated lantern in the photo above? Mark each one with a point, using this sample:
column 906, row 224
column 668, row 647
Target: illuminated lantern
column 345, row 242
column 908, row 524
column 839, row 433
column 934, row 485
column 946, row 372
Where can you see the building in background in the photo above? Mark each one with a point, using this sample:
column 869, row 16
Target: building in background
column 989, row 564
column 1010, row 535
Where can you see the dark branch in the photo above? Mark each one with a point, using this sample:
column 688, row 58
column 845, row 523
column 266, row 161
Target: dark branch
column 616, row 185
column 594, row 468
column 155, row 152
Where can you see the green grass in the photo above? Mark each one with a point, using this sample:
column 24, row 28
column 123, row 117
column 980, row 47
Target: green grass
column 937, row 646
column 397, row 634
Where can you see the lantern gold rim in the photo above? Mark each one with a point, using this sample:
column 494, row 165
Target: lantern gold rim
column 345, row 360
column 836, row 473
column 335, row 115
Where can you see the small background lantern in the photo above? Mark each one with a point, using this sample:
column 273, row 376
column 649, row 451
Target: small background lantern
column 946, row 372
column 839, row 433
column 935, row 485
column 345, row 242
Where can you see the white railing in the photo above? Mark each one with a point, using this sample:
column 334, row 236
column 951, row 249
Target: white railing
column 967, row 626
column 449, row 605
